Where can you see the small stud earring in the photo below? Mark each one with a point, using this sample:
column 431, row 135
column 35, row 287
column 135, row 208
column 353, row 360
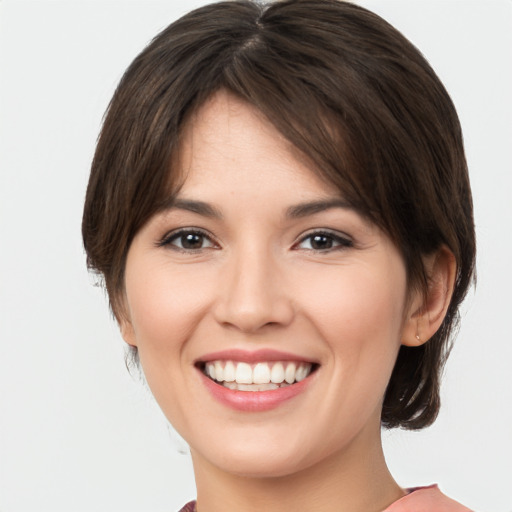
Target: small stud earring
column 417, row 337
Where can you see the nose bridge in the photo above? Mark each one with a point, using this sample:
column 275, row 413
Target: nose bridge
column 252, row 294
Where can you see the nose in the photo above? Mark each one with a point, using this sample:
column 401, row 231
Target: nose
column 253, row 293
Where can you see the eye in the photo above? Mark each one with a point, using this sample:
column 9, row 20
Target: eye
column 187, row 240
column 323, row 241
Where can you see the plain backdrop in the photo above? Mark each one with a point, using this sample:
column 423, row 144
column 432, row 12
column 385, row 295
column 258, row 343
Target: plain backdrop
column 77, row 433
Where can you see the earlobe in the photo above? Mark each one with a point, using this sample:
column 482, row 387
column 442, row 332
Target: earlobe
column 428, row 310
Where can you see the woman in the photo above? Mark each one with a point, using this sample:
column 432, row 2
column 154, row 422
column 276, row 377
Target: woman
column 280, row 208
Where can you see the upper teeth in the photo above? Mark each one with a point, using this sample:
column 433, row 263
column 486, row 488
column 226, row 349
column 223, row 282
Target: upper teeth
column 259, row 373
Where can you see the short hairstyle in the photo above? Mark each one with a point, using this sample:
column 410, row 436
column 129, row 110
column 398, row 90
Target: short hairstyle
column 350, row 92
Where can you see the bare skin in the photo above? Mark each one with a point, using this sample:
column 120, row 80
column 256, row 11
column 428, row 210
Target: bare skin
column 244, row 263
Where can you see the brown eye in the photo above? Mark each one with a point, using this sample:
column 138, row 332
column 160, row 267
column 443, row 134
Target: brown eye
column 321, row 242
column 191, row 241
column 187, row 240
column 324, row 242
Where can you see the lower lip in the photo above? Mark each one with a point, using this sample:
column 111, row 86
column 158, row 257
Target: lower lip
column 254, row 401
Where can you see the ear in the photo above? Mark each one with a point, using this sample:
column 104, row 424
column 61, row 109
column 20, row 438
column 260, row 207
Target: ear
column 125, row 324
column 127, row 332
column 427, row 310
column 121, row 310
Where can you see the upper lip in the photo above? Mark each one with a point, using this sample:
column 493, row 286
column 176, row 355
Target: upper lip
column 253, row 356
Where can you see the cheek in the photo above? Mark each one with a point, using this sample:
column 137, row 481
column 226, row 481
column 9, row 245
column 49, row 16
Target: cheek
column 165, row 305
column 359, row 313
column 165, row 308
column 356, row 300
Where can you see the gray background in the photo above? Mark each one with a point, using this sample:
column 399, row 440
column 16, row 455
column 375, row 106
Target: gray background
column 77, row 433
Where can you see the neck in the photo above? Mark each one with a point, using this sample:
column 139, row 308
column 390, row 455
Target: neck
column 354, row 479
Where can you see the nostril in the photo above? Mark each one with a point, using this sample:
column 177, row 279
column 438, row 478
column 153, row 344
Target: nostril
column 253, row 298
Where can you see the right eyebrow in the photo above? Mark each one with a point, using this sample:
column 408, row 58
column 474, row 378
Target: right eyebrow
column 189, row 205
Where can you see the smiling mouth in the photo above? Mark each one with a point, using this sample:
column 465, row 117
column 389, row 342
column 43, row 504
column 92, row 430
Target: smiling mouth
column 261, row 376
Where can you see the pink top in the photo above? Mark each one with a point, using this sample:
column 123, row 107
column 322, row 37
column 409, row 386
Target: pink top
column 426, row 499
column 420, row 499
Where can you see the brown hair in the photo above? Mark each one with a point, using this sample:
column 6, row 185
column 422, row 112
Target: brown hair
column 350, row 92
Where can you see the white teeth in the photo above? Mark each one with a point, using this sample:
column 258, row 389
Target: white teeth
column 277, row 373
column 255, row 387
column 229, row 372
column 262, row 376
column 289, row 374
column 219, row 371
column 302, row 373
column 250, row 387
column 243, row 373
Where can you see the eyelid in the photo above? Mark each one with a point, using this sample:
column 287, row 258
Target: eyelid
column 343, row 240
column 169, row 237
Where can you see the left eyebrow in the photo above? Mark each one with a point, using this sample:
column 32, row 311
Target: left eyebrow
column 199, row 207
column 310, row 208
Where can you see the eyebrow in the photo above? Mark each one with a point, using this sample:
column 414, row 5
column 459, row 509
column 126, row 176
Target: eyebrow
column 312, row 207
column 293, row 212
column 189, row 205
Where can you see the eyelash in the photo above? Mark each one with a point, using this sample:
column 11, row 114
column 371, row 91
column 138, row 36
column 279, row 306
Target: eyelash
column 341, row 242
column 167, row 240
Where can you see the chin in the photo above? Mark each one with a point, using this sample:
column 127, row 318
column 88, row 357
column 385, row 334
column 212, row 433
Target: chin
column 257, row 465
column 265, row 457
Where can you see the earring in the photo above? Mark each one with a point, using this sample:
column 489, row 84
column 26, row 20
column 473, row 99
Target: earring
column 418, row 338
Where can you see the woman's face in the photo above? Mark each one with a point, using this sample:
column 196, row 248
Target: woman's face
column 259, row 271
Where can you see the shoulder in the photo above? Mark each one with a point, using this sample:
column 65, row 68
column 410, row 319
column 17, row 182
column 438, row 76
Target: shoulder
column 426, row 499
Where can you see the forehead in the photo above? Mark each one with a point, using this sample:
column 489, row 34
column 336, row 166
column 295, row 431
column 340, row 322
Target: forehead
column 228, row 147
